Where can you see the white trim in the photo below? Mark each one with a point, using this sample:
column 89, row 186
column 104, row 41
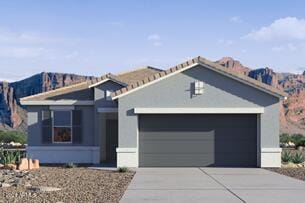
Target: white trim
column 127, row 157
column 98, row 83
column 57, row 126
column 105, row 80
column 257, row 110
column 57, row 102
column 271, row 157
column 64, row 154
column 126, row 150
column 155, row 81
column 270, row 150
column 191, row 66
column 61, row 108
column 107, row 110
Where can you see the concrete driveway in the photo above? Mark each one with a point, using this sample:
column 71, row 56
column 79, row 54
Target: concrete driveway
column 212, row 185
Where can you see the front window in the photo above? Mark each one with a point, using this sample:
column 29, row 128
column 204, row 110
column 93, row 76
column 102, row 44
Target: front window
column 62, row 126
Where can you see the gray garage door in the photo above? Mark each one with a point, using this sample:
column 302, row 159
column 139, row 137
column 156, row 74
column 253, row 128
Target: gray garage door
column 197, row 140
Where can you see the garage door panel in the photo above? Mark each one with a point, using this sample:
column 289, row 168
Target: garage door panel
column 182, row 146
column 147, row 136
column 195, row 122
column 196, row 160
column 197, row 140
column 222, row 134
column 186, row 146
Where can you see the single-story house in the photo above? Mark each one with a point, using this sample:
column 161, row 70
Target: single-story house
column 197, row 113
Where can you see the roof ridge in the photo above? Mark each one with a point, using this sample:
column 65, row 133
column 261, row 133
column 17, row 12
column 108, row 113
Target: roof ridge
column 54, row 90
column 203, row 61
column 138, row 69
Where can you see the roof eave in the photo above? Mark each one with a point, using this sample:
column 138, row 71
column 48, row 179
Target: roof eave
column 201, row 61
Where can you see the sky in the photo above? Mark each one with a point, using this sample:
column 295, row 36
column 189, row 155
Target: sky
column 96, row 37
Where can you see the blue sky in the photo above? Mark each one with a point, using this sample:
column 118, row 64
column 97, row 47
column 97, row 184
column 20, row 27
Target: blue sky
column 96, row 37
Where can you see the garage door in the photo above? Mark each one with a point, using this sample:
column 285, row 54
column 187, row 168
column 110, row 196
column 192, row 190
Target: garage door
column 197, row 140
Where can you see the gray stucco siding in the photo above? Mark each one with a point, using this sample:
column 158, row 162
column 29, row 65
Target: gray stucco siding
column 219, row 91
column 101, row 102
column 35, row 126
column 99, row 94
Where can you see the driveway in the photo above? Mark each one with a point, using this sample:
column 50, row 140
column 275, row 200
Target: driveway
column 212, row 185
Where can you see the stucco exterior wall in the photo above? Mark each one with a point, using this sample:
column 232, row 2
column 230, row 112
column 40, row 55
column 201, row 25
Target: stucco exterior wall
column 219, row 91
column 100, row 118
column 35, row 129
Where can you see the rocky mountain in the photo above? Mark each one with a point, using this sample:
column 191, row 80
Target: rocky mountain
column 292, row 114
column 12, row 115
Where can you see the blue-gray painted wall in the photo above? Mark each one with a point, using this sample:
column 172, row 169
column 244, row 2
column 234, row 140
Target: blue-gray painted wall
column 219, row 91
column 100, row 119
column 35, row 130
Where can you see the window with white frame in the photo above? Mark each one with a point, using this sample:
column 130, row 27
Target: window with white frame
column 62, row 126
column 198, row 88
column 108, row 95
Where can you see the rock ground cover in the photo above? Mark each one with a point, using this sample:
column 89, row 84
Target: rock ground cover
column 298, row 173
column 58, row 184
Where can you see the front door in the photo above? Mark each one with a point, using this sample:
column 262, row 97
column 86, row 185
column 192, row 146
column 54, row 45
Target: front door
column 111, row 140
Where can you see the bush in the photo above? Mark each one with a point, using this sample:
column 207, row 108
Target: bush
column 286, row 157
column 122, row 169
column 10, row 157
column 12, row 136
column 298, row 140
column 298, row 158
column 70, row 165
column 284, row 138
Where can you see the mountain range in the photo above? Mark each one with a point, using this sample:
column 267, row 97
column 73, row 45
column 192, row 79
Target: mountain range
column 292, row 111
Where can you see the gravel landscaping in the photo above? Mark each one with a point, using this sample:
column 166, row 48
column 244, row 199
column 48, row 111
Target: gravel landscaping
column 68, row 185
column 298, row 173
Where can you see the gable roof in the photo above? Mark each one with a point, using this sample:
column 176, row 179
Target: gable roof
column 129, row 77
column 123, row 79
column 191, row 63
column 57, row 92
column 135, row 75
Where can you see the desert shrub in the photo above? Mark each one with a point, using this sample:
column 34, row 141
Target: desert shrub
column 298, row 158
column 284, row 138
column 286, row 157
column 11, row 157
column 12, row 136
column 70, row 165
column 298, row 140
column 122, row 169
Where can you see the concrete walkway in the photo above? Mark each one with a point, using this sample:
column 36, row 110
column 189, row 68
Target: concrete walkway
column 212, row 185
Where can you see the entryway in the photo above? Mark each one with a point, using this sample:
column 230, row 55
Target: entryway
column 111, row 141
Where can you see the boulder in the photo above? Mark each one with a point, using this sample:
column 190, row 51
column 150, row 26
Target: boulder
column 24, row 164
column 28, row 164
column 5, row 185
column 44, row 189
column 9, row 167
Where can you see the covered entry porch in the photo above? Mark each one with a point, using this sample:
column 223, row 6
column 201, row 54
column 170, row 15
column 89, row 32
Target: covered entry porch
column 108, row 135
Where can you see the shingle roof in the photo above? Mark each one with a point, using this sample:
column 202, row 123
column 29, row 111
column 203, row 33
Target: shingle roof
column 56, row 92
column 139, row 77
column 204, row 62
column 124, row 79
column 136, row 75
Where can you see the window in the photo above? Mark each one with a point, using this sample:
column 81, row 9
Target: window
column 108, row 95
column 62, row 126
column 198, row 88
